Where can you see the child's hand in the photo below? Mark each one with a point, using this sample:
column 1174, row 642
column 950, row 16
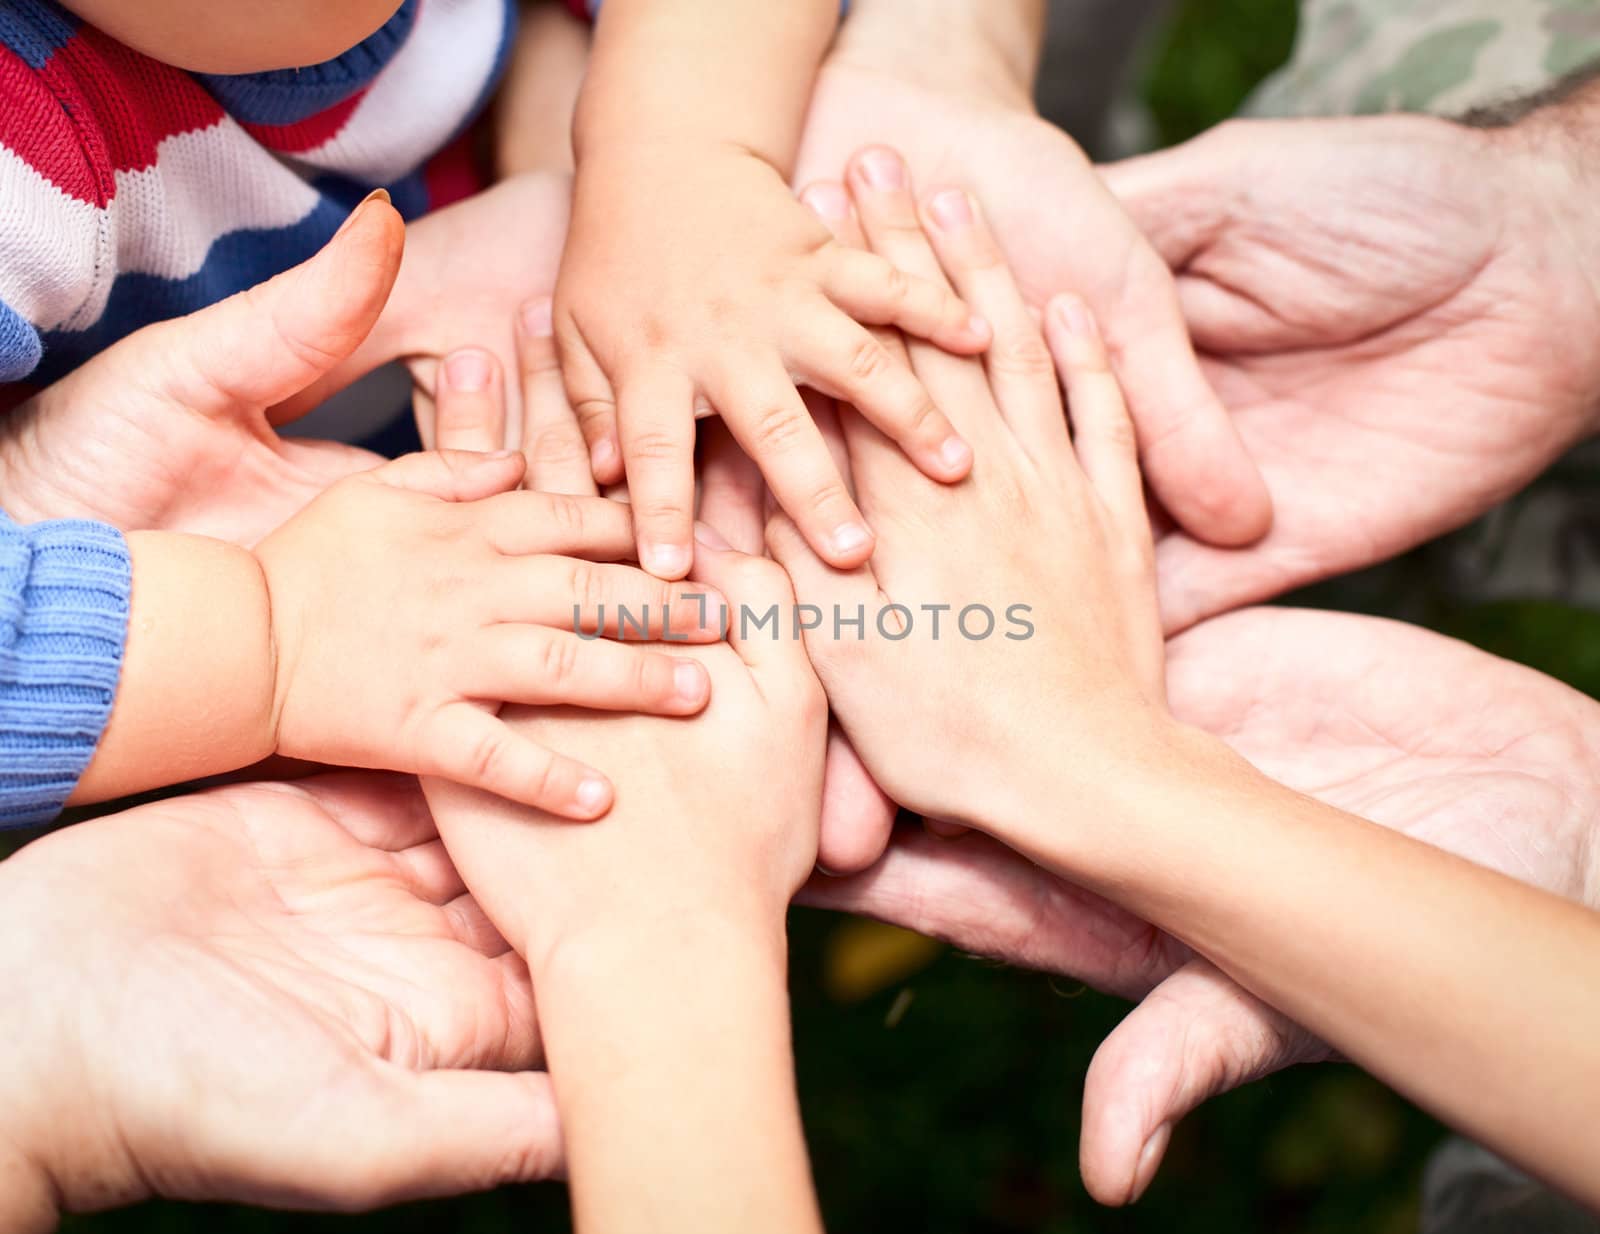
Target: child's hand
column 692, row 279
column 407, row 603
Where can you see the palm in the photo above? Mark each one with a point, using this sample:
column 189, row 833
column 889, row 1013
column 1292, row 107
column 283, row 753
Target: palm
column 1062, row 231
column 321, row 949
column 1388, row 323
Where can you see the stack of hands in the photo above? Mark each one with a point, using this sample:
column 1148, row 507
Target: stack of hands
column 298, row 1000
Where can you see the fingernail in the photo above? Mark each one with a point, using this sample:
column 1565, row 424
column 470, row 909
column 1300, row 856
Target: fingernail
column 376, row 195
column 1074, row 314
column 665, row 560
column 979, row 326
column 884, row 171
column 955, row 454
column 1149, row 1160
column 689, row 680
column 828, row 201
column 708, row 535
column 502, row 454
column 592, row 793
column 604, row 454
column 538, row 318
column 467, row 371
column 850, row 538
column 951, row 209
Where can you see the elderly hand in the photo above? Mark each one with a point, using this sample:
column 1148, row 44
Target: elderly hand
column 1484, row 758
column 273, row 993
column 1390, row 307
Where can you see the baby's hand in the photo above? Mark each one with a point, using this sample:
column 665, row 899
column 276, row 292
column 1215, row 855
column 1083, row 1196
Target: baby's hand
column 407, row 603
column 694, row 280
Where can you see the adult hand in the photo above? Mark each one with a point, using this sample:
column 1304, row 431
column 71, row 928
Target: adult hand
column 173, row 428
column 1388, row 306
column 1061, row 231
column 272, row 993
column 1479, row 756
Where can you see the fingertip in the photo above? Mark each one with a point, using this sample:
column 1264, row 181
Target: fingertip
column 1150, row 1156
column 828, row 200
column 605, row 459
column 665, row 559
column 592, row 798
column 848, row 545
column 955, row 459
column 691, row 686
column 537, row 318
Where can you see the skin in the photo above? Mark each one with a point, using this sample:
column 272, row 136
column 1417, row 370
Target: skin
column 234, row 38
column 1466, row 974
column 1414, row 731
column 160, row 955
column 954, row 102
column 663, row 1001
column 1385, row 304
column 714, row 288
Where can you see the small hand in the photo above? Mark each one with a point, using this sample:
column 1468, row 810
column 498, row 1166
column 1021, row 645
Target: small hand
column 1387, row 306
column 409, row 601
column 270, row 993
column 173, row 429
column 1061, row 231
column 716, row 288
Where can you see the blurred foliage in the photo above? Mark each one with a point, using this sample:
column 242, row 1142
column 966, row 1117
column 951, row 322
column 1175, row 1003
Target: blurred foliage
column 1212, row 54
column 942, row 1093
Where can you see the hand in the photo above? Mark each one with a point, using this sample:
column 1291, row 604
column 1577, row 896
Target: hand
column 1065, row 612
column 1386, row 305
column 1415, row 731
column 406, row 601
column 691, row 276
column 1061, row 231
column 271, row 993
column 173, row 428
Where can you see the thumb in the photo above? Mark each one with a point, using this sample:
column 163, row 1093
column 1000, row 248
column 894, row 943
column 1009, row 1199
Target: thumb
column 455, row 475
column 1181, row 198
column 262, row 346
column 437, row 1133
column 1195, row 1036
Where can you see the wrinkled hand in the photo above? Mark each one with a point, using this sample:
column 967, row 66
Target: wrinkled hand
column 1479, row 756
column 1389, row 307
column 1061, row 231
column 172, row 429
column 272, row 993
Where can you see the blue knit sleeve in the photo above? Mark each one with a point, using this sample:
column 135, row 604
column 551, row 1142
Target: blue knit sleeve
column 64, row 589
column 20, row 346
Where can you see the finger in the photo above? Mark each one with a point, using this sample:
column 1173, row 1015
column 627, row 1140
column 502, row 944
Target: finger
column 436, row 1133
column 558, row 455
column 473, row 747
column 731, row 489
column 593, row 401
column 874, row 291
column 824, row 414
column 1102, row 430
column 839, row 605
column 521, row 524
column 770, row 420
column 470, row 402
column 1195, row 1036
column 976, row 894
column 755, row 587
column 470, row 926
column 380, row 810
column 428, row 873
column 1180, row 198
column 845, row 361
column 656, row 422
column 453, row 475
column 1021, row 374
column 265, row 345
column 543, row 667
column 857, row 815
column 617, row 601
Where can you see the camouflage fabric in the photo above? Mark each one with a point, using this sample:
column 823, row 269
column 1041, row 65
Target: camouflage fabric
column 1356, row 57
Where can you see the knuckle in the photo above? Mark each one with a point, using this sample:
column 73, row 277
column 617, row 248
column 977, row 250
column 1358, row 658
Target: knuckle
column 1023, row 355
column 484, row 758
column 653, row 446
column 559, row 446
column 868, row 360
column 594, row 411
column 585, row 586
column 558, row 662
column 567, row 514
column 777, row 430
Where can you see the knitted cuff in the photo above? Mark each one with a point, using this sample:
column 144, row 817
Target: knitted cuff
column 64, row 593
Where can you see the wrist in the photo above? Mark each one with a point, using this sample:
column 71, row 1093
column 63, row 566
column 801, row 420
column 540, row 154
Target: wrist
column 976, row 49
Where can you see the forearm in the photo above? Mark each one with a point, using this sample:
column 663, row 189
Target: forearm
column 669, row 1045
column 196, row 689
column 1460, row 987
column 533, row 116
column 692, row 71
column 987, row 49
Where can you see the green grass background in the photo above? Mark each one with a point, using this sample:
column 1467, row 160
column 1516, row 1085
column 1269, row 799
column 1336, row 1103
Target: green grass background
column 943, row 1094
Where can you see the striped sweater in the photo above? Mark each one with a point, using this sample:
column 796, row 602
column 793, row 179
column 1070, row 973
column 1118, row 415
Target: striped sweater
column 131, row 191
